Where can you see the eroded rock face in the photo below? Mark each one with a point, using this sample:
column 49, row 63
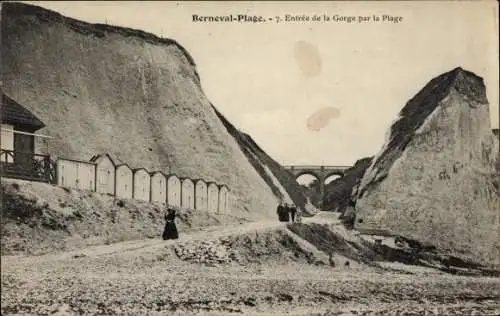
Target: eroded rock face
column 435, row 178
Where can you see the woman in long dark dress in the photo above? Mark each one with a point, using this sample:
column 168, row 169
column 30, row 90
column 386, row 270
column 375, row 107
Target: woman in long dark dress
column 170, row 231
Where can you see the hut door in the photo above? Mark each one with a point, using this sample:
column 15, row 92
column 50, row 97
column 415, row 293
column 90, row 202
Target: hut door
column 24, row 148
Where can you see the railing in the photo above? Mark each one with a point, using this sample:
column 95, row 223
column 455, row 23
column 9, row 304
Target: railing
column 27, row 166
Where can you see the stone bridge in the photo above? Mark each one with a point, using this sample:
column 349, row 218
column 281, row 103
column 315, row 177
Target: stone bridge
column 319, row 172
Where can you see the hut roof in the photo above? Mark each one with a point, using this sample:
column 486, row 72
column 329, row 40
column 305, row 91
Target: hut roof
column 139, row 169
column 16, row 114
column 158, row 172
column 123, row 164
column 95, row 158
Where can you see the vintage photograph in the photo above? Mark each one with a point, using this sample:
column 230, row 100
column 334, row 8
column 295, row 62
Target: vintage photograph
column 250, row 158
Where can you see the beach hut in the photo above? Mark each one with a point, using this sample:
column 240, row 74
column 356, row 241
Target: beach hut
column 158, row 187
column 201, row 194
column 173, row 190
column 213, row 197
column 124, row 181
column 105, row 174
column 142, row 184
column 76, row 174
column 223, row 199
column 187, row 193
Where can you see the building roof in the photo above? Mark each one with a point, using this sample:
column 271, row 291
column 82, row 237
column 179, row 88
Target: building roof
column 139, row 169
column 113, row 160
column 123, row 164
column 153, row 173
column 15, row 114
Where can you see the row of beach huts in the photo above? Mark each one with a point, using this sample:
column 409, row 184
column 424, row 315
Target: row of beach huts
column 103, row 175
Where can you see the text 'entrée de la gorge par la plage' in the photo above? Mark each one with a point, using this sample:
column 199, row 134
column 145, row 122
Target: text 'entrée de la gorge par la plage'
column 324, row 17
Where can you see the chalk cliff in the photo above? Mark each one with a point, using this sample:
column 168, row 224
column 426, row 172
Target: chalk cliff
column 435, row 180
column 101, row 88
column 338, row 193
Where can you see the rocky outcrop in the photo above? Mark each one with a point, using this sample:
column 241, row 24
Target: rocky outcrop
column 281, row 182
column 435, row 180
column 138, row 97
column 338, row 193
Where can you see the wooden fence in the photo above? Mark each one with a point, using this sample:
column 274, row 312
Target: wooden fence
column 27, row 166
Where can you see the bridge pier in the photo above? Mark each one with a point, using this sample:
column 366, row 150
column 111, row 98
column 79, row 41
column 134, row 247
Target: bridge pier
column 322, row 187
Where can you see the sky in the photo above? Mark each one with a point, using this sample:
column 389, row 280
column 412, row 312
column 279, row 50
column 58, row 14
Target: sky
column 317, row 92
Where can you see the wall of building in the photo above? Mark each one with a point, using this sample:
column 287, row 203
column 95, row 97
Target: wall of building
column 187, row 193
column 142, row 185
column 105, row 176
column 201, row 195
column 174, row 191
column 124, row 182
column 158, row 188
column 223, row 198
column 213, row 197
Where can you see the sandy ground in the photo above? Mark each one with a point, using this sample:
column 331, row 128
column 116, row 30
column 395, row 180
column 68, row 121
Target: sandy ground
column 145, row 277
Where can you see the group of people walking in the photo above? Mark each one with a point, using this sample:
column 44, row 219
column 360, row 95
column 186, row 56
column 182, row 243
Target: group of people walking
column 288, row 212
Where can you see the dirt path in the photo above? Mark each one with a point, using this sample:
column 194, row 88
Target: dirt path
column 207, row 233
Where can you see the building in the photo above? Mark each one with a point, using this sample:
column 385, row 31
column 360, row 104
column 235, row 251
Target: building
column 142, row 184
column 173, row 190
column 201, row 194
column 77, row 174
column 213, row 197
column 124, row 181
column 18, row 156
column 158, row 187
column 105, row 174
column 223, row 199
column 187, row 193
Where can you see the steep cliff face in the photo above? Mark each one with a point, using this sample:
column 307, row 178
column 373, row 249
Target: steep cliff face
column 281, row 182
column 101, row 88
column 435, row 179
column 338, row 193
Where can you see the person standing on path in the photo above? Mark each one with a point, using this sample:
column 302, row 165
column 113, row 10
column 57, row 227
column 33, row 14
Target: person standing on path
column 170, row 231
column 286, row 212
column 280, row 210
column 293, row 211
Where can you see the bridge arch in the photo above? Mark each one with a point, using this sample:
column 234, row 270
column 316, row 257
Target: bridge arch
column 334, row 173
column 322, row 173
column 332, row 176
column 307, row 172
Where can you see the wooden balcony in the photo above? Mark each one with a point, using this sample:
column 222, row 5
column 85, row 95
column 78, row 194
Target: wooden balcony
column 27, row 166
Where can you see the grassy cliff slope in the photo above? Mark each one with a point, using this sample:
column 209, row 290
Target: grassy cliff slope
column 339, row 192
column 281, row 181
